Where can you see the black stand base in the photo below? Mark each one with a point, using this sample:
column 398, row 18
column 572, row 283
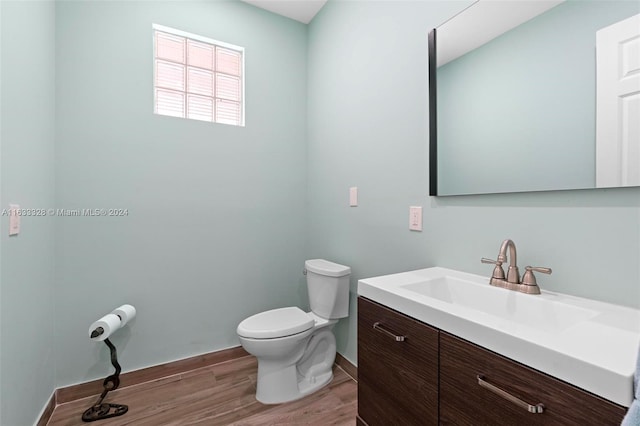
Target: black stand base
column 104, row 411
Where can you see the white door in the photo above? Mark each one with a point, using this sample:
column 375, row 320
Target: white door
column 618, row 104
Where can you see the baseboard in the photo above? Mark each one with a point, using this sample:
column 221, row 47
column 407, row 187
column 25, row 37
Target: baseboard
column 47, row 411
column 83, row 390
column 347, row 366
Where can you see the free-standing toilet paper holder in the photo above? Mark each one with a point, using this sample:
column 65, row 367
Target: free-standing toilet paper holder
column 101, row 410
column 100, row 331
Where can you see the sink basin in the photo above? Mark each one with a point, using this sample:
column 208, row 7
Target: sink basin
column 539, row 313
column 590, row 344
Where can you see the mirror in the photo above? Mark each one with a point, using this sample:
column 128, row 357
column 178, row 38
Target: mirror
column 518, row 102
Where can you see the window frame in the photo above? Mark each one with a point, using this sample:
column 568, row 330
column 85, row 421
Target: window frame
column 186, row 92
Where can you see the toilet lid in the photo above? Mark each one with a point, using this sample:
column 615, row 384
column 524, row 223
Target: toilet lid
column 275, row 323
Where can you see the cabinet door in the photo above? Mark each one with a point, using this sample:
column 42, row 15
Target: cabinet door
column 463, row 401
column 397, row 380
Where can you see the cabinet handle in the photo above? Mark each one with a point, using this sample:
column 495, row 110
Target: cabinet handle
column 535, row 409
column 395, row 337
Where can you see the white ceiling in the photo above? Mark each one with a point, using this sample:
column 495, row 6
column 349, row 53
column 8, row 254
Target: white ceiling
column 300, row 10
column 482, row 22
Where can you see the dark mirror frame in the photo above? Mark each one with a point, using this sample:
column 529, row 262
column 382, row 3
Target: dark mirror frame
column 433, row 116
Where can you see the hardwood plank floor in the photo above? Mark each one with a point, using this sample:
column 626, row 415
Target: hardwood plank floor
column 221, row 394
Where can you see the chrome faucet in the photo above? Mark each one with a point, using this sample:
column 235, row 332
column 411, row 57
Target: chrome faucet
column 512, row 281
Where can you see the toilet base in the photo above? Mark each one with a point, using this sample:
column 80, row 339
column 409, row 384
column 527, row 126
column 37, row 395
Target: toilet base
column 304, row 375
column 309, row 386
column 286, row 385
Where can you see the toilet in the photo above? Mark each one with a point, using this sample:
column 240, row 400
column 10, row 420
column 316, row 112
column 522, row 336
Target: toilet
column 296, row 349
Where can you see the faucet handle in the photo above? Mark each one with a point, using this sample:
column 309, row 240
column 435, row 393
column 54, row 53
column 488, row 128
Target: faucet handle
column 498, row 272
column 529, row 279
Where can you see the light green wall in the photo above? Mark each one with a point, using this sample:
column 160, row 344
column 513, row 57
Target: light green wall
column 27, row 313
column 221, row 218
column 217, row 221
column 548, row 66
column 368, row 127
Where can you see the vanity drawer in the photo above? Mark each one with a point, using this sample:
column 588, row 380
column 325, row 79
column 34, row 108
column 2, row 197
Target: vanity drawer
column 397, row 380
column 464, row 401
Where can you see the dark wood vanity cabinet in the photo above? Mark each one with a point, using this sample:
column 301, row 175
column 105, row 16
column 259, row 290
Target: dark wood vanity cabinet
column 397, row 377
column 433, row 378
column 466, row 401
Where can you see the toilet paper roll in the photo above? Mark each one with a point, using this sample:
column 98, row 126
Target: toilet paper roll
column 109, row 324
column 126, row 313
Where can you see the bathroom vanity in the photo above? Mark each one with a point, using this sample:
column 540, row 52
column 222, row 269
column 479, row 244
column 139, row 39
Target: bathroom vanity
column 425, row 357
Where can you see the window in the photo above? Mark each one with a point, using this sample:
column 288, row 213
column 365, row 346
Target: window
column 197, row 78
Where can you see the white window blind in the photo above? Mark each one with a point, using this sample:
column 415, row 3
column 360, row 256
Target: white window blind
column 197, row 78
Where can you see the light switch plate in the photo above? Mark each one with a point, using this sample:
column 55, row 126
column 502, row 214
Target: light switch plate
column 353, row 196
column 415, row 218
column 14, row 219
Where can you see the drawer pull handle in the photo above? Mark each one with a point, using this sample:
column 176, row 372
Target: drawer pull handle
column 395, row 337
column 535, row 409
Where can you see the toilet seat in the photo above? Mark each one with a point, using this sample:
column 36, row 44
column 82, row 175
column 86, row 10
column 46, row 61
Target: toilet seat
column 276, row 323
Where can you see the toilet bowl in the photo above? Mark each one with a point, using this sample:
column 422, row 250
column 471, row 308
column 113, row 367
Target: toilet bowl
column 296, row 349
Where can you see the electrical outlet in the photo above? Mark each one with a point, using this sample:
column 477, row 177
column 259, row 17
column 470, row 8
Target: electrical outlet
column 415, row 218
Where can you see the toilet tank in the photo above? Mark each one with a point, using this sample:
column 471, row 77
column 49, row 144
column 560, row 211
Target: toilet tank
column 328, row 285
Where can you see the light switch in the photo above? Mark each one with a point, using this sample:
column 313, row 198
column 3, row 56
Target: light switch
column 14, row 219
column 415, row 218
column 353, row 196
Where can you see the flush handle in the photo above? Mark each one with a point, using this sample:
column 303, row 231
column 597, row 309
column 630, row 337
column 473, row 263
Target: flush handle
column 380, row 328
column 535, row 409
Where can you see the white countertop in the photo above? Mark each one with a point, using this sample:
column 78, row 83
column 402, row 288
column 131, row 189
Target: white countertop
column 592, row 345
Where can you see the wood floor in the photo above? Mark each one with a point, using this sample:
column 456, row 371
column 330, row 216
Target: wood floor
column 221, row 394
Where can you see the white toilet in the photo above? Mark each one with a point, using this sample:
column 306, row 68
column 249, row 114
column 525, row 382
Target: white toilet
column 295, row 349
